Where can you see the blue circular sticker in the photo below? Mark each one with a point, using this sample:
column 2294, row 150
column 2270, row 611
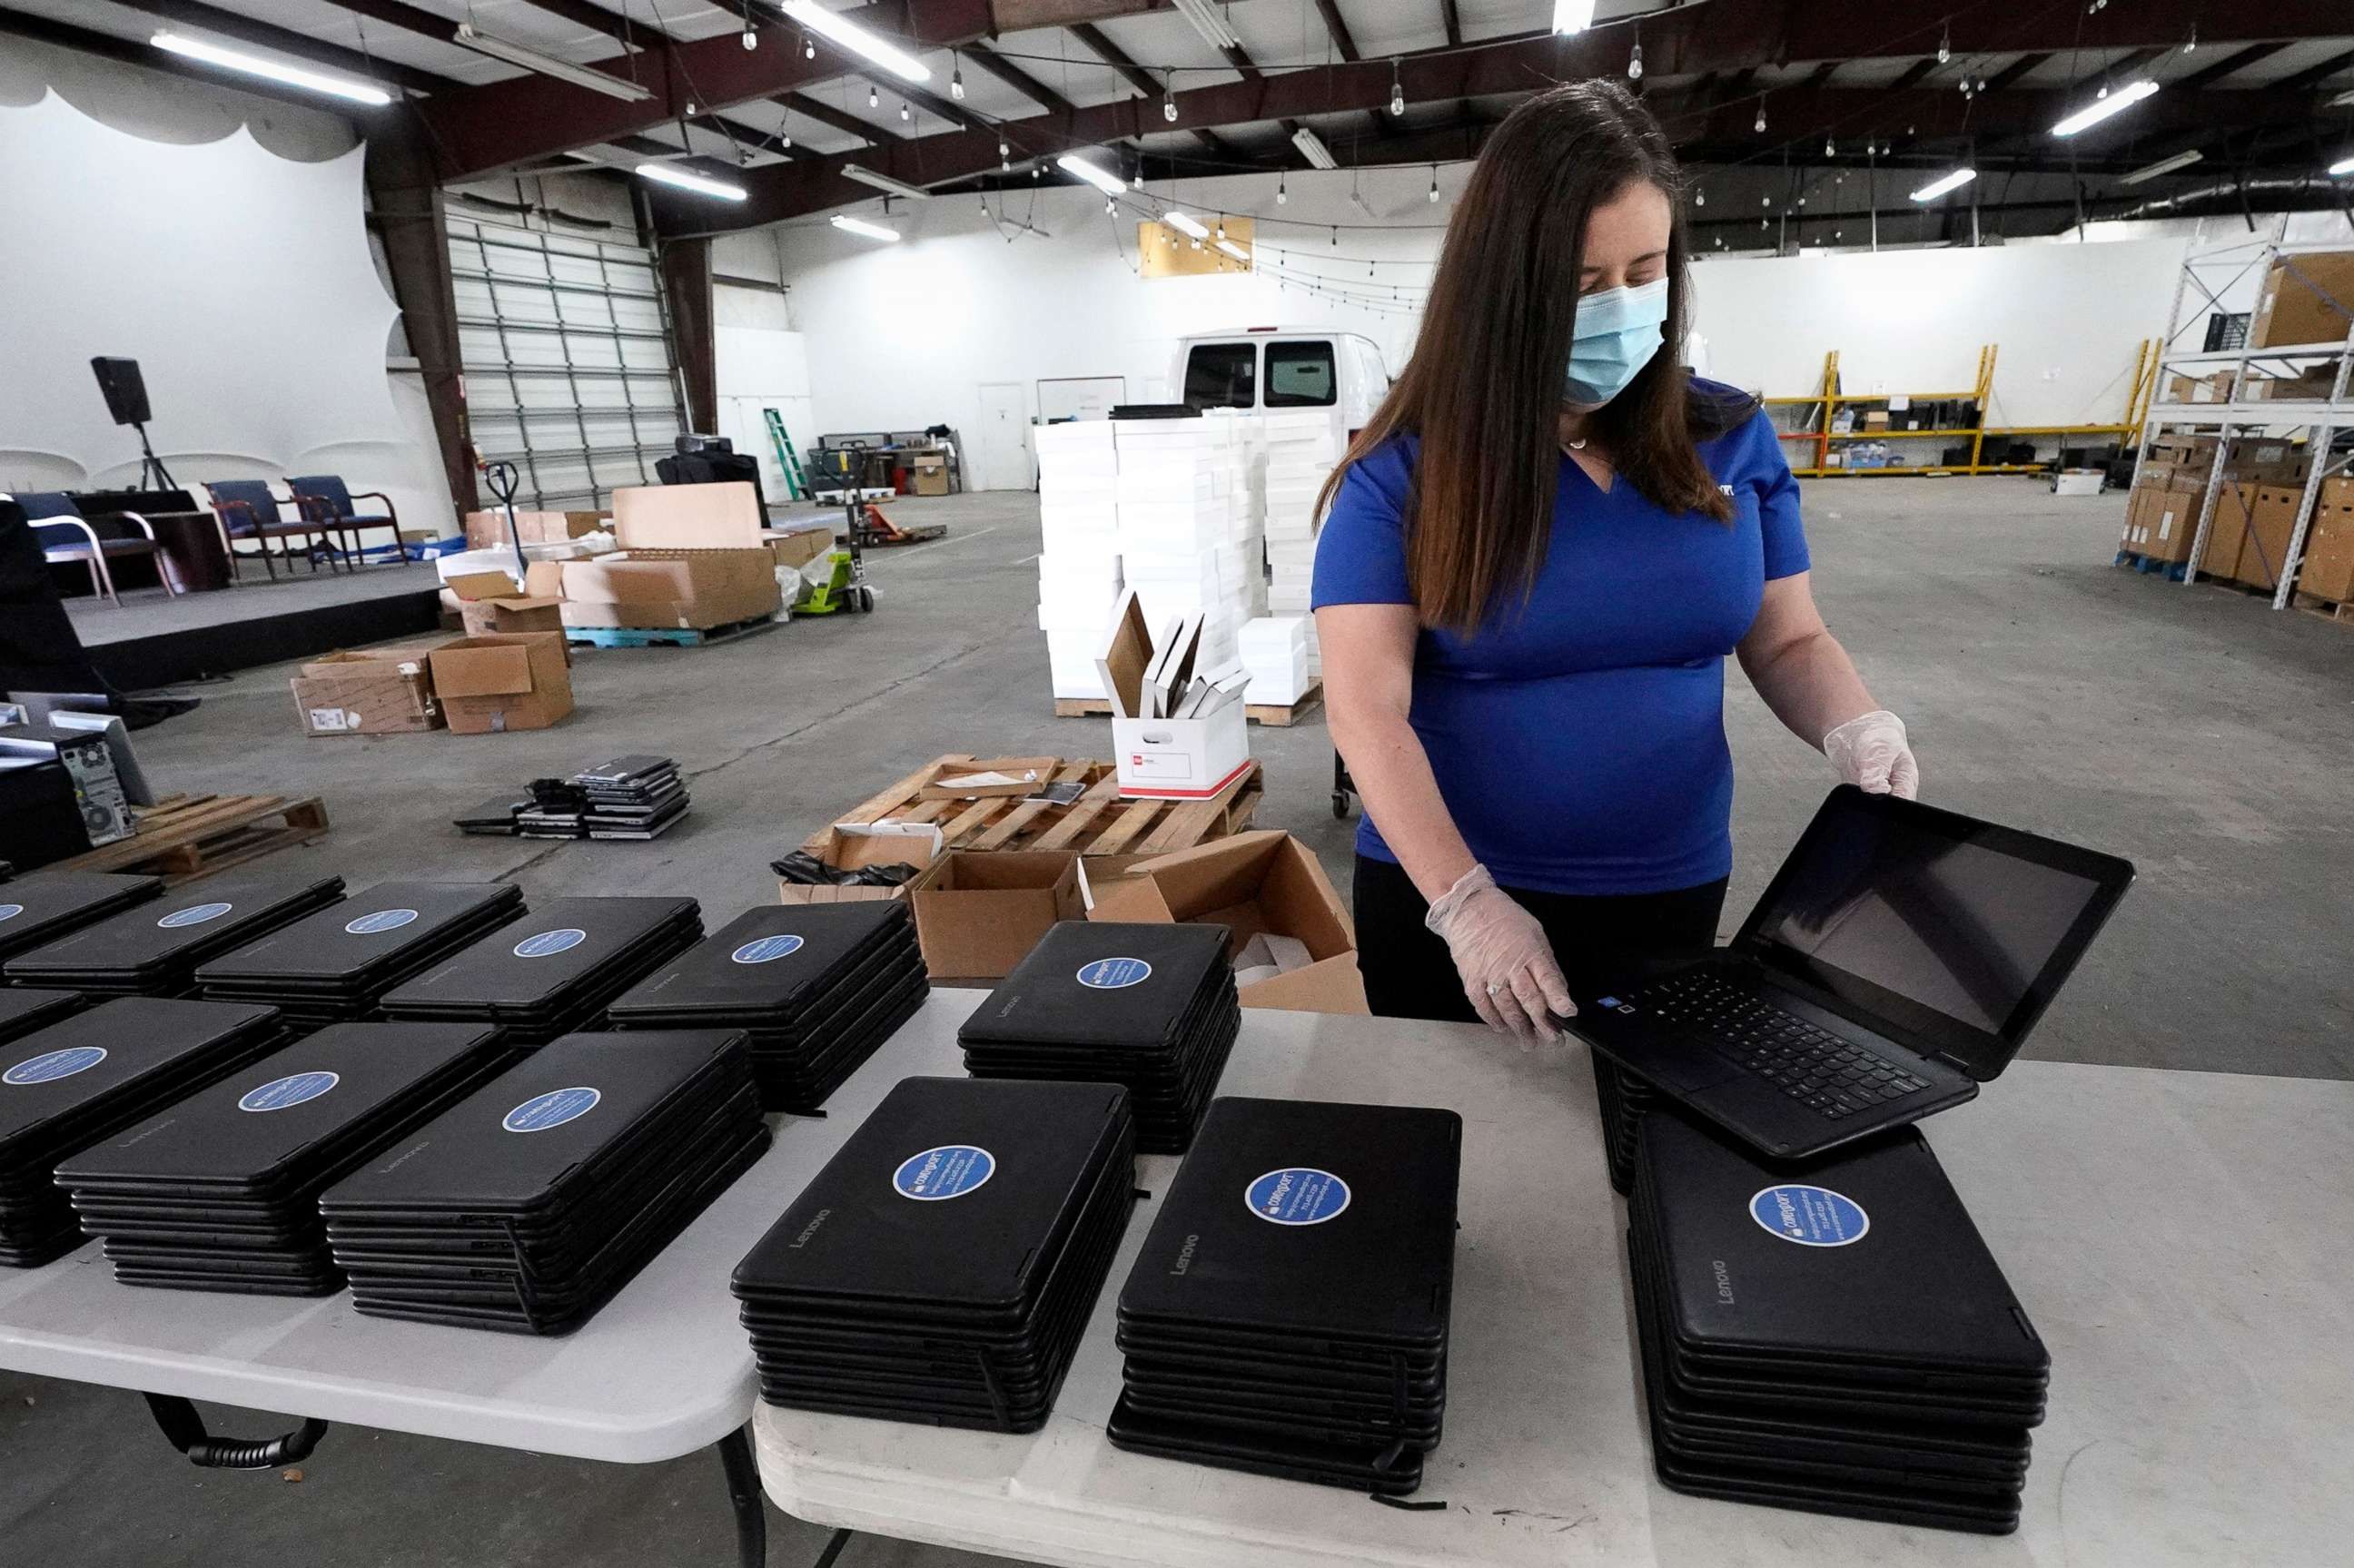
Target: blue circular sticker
column 1811, row 1216
column 51, row 1066
column 281, row 1093
column 194, row 915
column 10, row 911
column 762, row 949
column 549, row 943
column 949, row 1172
column 1297, row 1196
column 382, row 920
column 1114, row 974
column 553, row 1109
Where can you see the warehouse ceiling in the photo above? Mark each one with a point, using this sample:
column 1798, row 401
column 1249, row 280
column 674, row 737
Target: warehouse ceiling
column 2262, row 89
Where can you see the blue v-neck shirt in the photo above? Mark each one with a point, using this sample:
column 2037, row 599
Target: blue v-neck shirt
column 1579, row 743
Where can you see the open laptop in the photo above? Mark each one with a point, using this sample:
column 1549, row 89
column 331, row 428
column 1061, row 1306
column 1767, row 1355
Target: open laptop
column 1896, row 961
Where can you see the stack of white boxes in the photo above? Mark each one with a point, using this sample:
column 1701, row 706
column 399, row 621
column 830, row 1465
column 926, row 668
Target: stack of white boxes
column 1275, row 653
column 1080, row 566
column 1303, row 445
column 1183, row 530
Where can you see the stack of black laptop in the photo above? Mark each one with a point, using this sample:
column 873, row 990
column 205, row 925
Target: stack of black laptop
column 529, row 1204
column 1840, row 1341
column 333, row 966
column 630, row 797
column 1622, row 1099
column 80, row 1081
column 23, row 1010
column 153, row 949
column 943, row 1266
column 818, row 986
column 554, row 970
column 42, row 907
column 1149, row 1006
column 220, row 1192
column 1288, row 1313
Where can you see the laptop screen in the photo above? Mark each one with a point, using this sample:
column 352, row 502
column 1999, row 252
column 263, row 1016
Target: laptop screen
column 1955, row 931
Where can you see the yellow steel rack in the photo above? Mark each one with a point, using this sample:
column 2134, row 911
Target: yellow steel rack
column 1824, row 402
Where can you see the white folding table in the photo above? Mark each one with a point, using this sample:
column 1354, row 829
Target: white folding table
column 2180, row 1241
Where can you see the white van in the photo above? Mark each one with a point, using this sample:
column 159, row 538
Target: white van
column 1264, row 368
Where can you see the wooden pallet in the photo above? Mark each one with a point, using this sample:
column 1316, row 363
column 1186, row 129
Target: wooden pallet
column 2173, row 571
column 1282, row 716
column 1099, row 823
column 663, row 636
column 183, row 837
column 2328, row 609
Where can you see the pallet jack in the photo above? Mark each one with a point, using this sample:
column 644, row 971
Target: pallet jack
column 844, row 588
column 869, row 526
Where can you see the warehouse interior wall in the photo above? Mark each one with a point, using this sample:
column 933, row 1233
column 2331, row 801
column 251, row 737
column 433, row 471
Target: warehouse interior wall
column 226, row 250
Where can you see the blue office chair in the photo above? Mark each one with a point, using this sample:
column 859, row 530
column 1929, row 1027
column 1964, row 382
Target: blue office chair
column 247, row 510
column 66, row 536
column 326, row 499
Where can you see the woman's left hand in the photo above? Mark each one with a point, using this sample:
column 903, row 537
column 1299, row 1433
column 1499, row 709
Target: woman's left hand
column 1871, row 753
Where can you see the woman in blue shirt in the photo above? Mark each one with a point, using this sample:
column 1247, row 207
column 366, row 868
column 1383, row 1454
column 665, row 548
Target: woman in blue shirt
column 1532, row 565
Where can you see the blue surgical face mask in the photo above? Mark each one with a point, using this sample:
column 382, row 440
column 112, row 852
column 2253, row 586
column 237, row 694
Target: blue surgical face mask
column 1617, row 333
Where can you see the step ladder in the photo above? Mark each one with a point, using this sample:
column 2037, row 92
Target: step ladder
column 787, row 459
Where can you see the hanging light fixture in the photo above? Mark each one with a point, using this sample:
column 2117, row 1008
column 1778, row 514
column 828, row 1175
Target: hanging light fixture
column 1434, row 182
column 1700, row 196
column 1004, row 158
column 904, row 114
column 1760, row 126
column 1635, row 62
column 1280, row 194
column 1945, row 44
column 809, row 48
column 874, row 99
column 955, row 79
column 841, row 29
column 1397, row 90
column 2191, row 43
column 1829, row 151
column 1168, row 100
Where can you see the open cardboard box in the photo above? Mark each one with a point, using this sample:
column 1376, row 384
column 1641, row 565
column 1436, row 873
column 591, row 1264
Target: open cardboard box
column 979, row 913
column 1187, row 758
column 1252, row 882
column 502, row 682
column 370, row 691
column 488, row 603
column 692, row 556
column 1029, row 774
column 848, row 846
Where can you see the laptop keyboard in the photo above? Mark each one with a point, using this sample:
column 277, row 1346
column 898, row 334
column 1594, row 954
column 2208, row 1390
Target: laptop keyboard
column 1833, row 1077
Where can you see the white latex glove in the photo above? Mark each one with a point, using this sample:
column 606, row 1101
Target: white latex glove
column 1502, row 953
column 1870, row 751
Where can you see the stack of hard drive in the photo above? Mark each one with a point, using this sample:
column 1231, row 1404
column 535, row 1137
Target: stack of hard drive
column 332, row 967
column 1840, row 1342
column 1621, row 1099
column 23, row 1010
column 1288, row 1313
column 552, row 971
column 80, row 1081
column 818, row 986
column 220, row 1192
column 1149, row 1006
column 47, row 905
column 630, row 797
column 943, row 1266
column 153, row 950
column 526, row 1206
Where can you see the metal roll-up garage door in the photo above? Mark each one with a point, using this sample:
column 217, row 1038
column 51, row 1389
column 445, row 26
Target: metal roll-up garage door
column 566, row 344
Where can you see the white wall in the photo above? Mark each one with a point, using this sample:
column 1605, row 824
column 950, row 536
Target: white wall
column 220, row 239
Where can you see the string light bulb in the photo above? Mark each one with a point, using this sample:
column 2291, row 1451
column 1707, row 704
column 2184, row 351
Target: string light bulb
column 955, row 82
column 1434, row 183
column 809, row 48
column 1944, row 46
column 1397, row 90
column 1336, row 237
column 1136, row 180
column 1700, row 196
column 1004, row 158
column 1635, row 62
column 904, row 114
column 751, row 38
column 1169, row 106
column 873, row 98
column 2191, row 44
column 1280, row 194
column 1829, row 149
column 1760, row 126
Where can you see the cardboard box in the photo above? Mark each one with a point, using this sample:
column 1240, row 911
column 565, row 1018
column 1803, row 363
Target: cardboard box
column 2305, row 299
column 1029, row 776
column 2328, row 568
column 2183, row 452
column 696, row 589
column 847, row 846
column 797, row 547
column 2312, row 384
column 500, row 682
column 488, row 530
column 687, row 517
column 928, row 473
column 2161, row 521
column 1252, row 884
column 979, row 913
column 2264, row 459
column 2211, row 388
column 488, row 604
column 1876, row 419
column 2273, row 521
column 2236, row 506
column 374, row 690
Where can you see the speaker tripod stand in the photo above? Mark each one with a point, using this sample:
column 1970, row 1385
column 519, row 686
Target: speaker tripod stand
column 151, row 467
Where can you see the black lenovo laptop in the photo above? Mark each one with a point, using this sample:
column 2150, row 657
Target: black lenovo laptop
column 1896, row 961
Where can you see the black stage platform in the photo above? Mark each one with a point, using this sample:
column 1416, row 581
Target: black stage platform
column 155, row 639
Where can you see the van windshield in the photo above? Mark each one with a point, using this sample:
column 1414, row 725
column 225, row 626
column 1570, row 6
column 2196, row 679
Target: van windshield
column 1301, row 376
column 1222, row 376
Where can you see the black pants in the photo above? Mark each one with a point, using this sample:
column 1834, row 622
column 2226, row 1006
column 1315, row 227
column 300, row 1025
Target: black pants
column 1408, row 974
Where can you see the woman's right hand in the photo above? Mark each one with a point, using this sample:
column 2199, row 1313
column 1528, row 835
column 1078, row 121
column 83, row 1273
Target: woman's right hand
column 1504, row 957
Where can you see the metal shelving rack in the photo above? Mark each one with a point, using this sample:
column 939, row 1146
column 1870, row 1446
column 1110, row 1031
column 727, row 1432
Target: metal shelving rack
column 2142, row 387
column 2240, row 415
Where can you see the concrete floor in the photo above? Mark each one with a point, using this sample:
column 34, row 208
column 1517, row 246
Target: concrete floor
column 2195, row 731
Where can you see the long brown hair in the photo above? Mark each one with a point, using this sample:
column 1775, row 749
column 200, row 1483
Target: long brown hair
column 1484, row 388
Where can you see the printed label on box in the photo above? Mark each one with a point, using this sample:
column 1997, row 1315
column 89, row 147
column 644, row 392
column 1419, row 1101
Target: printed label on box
column 333, row 719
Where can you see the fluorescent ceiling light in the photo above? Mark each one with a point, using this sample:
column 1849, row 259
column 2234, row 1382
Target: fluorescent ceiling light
column 663, row 173
column 1233, row 250
column 886, row 183
column 532, row 60
column 860, row 226
column 1185, row 223
column 1102, row 179
column 1208, row 24
column 1945, row 183
column 276, row 70
column 2117, row 102
column 1571, row 16
column 2342, row 166
column 2343, row 101
column 2163, row 166
column 1312, row 148
column 856, row 40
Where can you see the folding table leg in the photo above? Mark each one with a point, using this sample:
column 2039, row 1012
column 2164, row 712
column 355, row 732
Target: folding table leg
column 743, row 1496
